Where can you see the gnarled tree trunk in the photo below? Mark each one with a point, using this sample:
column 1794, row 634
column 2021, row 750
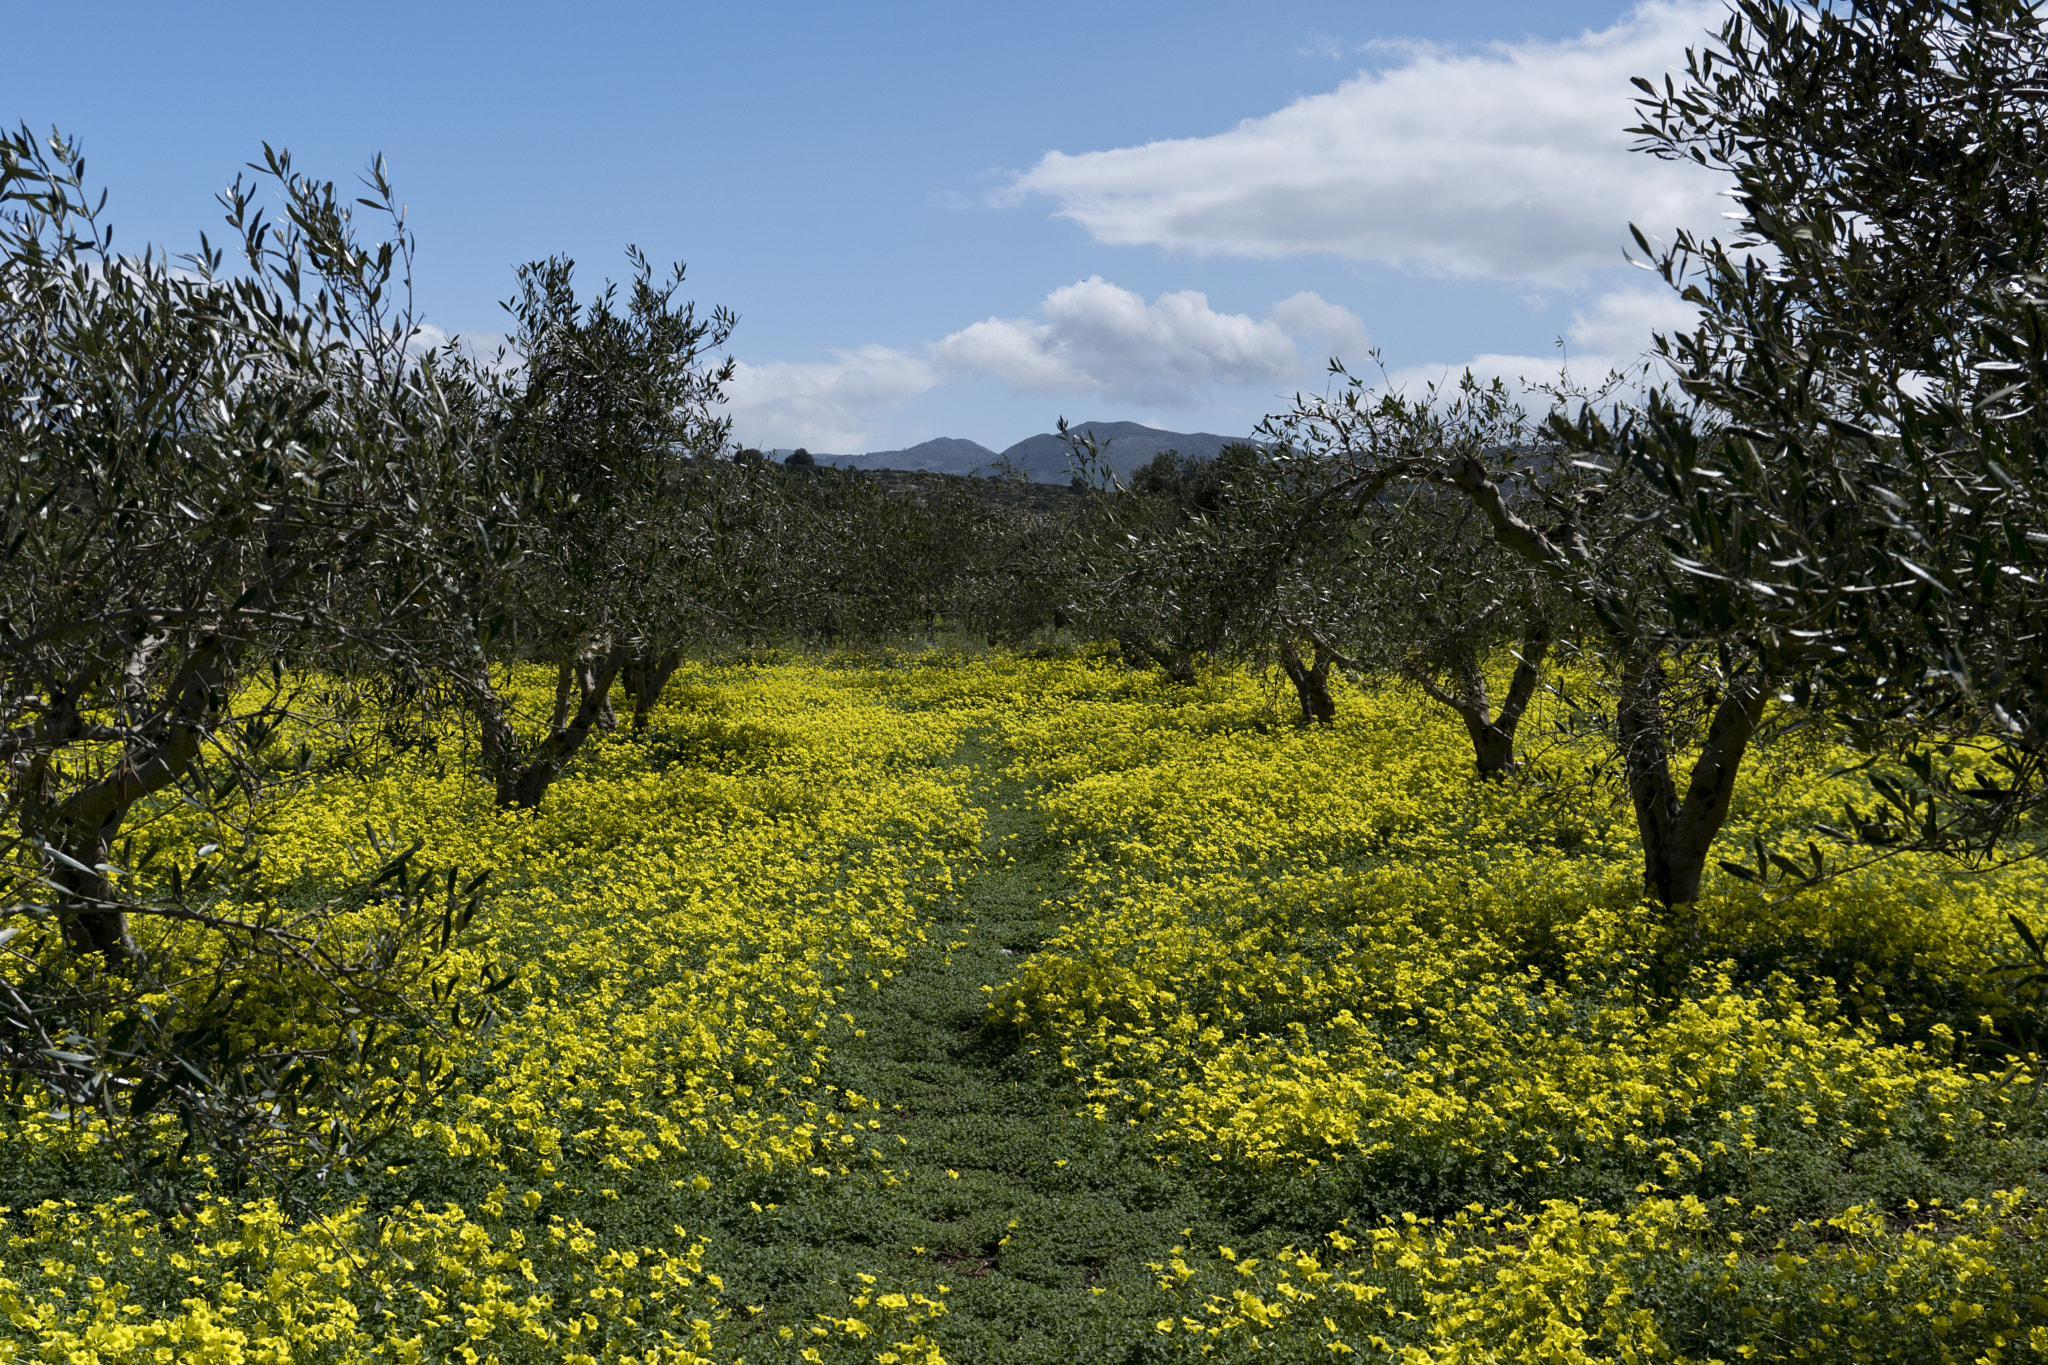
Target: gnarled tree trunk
column 645, row 675
column 1178, row 664
column 81, row 829
column 569, row 678
column 1311, row 681
column 1493, row 736
column 87, row 902
column 1678, row 832
column 522, row 778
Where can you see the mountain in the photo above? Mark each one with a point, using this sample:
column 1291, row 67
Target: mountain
column 1042, row 457
column 1128, row 445
column 943, row 455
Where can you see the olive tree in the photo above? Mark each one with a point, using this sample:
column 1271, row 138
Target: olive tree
column 1570, row 545
column 870, row 560
column 1177, row 563
column 599, row 414
column 209, row 474
column 219, row 476
column 1326, row 535
column 1018, row 575
column 869, row 557
column 1853, row 478
column 1405, row 580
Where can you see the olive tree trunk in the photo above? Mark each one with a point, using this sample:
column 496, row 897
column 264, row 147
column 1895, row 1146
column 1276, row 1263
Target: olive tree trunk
column 1493, row 736
column 78, row 833
column 1177, row 663
column 1677, row 831
column 1311, row 681
column 521, row 775
column 645, row 676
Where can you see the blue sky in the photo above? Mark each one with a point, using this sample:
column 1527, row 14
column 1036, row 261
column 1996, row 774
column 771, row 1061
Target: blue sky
column 948, row 220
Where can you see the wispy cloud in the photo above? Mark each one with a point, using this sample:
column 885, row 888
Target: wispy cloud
column 1509, row 162
column 1308, row 314
column 1624, row 321
column 479, row 346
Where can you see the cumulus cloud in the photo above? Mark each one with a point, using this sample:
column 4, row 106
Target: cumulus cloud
column 1090, row 337
column 1624, row 321
column 822, row 405
column 1613, row 333
column 1508, row 162
column 1097, row 337
column 1309, row 314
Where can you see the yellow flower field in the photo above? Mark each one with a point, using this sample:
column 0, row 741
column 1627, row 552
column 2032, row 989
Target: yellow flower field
column 1450, row 1089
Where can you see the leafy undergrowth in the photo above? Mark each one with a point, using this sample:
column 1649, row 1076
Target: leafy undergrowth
column 997, row 1009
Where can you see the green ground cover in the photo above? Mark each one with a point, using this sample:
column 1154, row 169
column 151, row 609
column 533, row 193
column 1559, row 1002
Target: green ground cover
column 1001, row 1009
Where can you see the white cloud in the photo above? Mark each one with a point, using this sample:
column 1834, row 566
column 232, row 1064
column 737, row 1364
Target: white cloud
column 822, row 405
column 428, row 337
column 1090, row 337
column 1625, row 321
column 1309, row 314
column 1508, row 162
column 483, row 347
column 1613, row 333
column 1096, row 337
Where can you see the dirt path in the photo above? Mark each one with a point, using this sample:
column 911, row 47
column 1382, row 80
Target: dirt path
column 1039, row 1222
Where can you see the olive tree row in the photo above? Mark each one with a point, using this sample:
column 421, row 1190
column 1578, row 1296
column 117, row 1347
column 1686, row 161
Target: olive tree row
column 1853, row 481
column 246, row 511
column 219, row 474
column 1839, row 506
column 599, row 417
column 211, row 474
column 1327, row 538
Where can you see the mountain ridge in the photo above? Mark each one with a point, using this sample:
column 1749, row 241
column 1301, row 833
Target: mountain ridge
column 1041, row 458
